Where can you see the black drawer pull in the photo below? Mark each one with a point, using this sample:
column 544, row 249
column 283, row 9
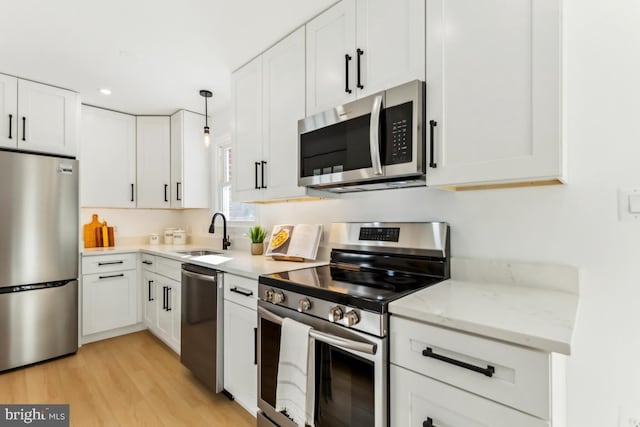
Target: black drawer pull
column 164, row 297
column 241, row 291
column 488, row 371
column 428, row 423
column 149, row 298
column 257, row 165
column 263, row 164
column 178, row 192
column 166, row 186
column 169, row 289
column 347, row 58
column 111, row 277
column 360, row 52
column 24, row 128
column 132, row 192
column 10, row 125
column 432, row 160
column 147, row 262
column 100, row 264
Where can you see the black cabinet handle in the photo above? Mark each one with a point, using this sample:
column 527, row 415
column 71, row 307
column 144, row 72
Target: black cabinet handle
column 255, row 346
column 111, row 277
column 488, row 371
column 241, row 291
column 132, row 192
column 100, row 264
column 257, row 164
column 178, row 191
column 263, row 164
column 10, row 125
column 432, row 161
column 147, row 262
column 347, row 58
column 359, row 52
column 169, row 289
column 428, row 423
column 164, row 297
column 149, row 298
column 166, row 187
column 24, row 128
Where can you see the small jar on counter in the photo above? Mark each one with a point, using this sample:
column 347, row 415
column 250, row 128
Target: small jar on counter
column 179, row 237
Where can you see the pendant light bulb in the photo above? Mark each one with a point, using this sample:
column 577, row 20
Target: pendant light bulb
column 207, row 135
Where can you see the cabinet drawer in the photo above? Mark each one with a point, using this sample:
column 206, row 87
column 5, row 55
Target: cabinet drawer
column 235, row 288
column 168, row 268
column 415, row 399
column 106, row 263
column 148, row 262
column 520, row 378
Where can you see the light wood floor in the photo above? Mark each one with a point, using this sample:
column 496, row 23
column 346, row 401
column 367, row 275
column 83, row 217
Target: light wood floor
column 132, row 380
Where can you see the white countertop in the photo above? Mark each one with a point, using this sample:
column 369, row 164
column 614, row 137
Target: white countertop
column 507, row 307
column 242, row 263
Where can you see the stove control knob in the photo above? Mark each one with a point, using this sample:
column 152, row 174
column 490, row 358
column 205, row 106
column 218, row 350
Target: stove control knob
column 335, row 314
column 268, row 295
column 278, row 297
column 303, row 305
column 350, row 319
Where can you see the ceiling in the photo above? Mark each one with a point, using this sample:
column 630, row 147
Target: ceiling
column 153, row 55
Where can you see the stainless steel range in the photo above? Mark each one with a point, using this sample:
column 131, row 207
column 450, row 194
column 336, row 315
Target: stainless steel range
column 346, row 304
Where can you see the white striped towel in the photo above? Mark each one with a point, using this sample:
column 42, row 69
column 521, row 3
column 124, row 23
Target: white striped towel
column 295, row 392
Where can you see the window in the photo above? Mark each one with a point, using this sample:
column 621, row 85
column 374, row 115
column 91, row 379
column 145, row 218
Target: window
column 234, row 211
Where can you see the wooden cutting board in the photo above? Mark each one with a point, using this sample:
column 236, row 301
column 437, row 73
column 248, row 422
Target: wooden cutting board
column 90, row 232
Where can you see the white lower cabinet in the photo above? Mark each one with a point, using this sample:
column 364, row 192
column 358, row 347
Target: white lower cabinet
column 162, row 298
column 109, row 297
column 240, row 338
column 458, row 379
column 419, row 401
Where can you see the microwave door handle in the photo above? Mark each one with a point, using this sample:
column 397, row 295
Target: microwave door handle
column 374, row 135
column 344, row 343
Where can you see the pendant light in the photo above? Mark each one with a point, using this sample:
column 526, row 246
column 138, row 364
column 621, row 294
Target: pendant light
column 207, row 138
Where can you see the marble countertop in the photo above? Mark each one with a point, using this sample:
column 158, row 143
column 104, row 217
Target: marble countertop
column 506, row 305
column 240, row 262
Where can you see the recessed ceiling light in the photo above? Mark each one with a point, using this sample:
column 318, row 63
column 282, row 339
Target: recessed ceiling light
column 105, row 91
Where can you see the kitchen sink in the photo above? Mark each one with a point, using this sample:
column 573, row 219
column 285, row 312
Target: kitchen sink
column 199, row 252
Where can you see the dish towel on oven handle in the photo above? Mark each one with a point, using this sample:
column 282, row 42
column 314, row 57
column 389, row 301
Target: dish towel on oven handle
column 295, row 392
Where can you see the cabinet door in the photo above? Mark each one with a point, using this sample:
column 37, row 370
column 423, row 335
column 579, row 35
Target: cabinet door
column 240, row 368
column 190, row 162
column 416, row 399
column 8, row 111
column 151, row 298
column 109, row 301
column 108, row 158
column 247, row 131
column 169, row 301
column 48, row 118
column 331, row 58
column 153, row 160
column 283, row 105
column 390, row 43
column 493, row 87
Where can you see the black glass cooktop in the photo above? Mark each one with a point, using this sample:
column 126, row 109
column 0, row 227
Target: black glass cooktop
column 365, row 289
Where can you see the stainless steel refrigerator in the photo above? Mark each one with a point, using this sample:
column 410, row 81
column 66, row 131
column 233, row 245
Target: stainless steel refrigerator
column 38, row 258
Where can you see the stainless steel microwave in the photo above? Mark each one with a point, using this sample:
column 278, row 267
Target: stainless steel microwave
column 373, row 143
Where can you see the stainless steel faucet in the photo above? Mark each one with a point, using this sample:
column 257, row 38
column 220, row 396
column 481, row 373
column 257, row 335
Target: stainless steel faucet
column 225, row 238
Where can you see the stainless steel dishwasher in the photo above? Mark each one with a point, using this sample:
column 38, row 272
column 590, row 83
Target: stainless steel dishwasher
column 201, row 325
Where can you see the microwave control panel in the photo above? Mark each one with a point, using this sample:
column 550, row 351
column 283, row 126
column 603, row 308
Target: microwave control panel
column 399, row 125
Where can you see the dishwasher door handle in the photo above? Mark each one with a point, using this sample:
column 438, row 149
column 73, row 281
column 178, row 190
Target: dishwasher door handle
column 206, row 278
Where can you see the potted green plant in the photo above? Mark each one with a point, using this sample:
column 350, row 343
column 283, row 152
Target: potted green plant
column 257, row 236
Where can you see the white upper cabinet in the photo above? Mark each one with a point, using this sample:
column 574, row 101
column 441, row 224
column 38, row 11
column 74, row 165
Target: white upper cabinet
column 37, row 117
column 390, row 44
column 153, row 162
column 493, row 91
column 190, row 162
column 48, row 118
column 246, row 95
column 8, row 111
column 358, row 47
column 108, row 159
column 331, row 55
column 268, row 100
column 283, row 84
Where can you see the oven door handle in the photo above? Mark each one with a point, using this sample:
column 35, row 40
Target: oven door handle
column 344, row 343
column 374, row 135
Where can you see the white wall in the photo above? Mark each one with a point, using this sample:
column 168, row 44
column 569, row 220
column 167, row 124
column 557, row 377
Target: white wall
column 574, row 224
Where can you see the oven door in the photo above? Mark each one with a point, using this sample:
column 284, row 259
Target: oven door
column 351, row 387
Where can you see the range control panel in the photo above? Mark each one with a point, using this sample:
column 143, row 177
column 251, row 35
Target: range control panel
column 380, row 234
